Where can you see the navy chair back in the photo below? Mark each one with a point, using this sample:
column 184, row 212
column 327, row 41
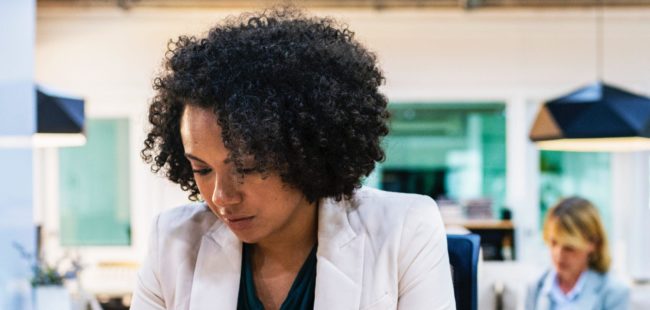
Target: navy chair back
column 463, row 257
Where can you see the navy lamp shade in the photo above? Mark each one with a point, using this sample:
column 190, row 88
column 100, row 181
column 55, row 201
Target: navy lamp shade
column 595, row 118
column 60, row 122
column 59, row 115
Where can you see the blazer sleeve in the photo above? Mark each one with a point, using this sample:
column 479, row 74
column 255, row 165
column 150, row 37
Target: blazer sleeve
column 148, row 293
column 424, row 274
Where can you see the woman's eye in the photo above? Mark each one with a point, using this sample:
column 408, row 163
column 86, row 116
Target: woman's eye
column 203, row 171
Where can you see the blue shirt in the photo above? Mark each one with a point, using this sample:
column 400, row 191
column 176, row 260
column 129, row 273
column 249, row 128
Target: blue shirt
column 559, row 299
column 593, row 291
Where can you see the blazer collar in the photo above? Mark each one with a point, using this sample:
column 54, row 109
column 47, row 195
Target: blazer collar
column 218, row 267
column 590, row 294
column 339, row 267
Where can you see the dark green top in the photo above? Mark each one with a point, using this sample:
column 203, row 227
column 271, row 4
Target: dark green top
column 300, row 296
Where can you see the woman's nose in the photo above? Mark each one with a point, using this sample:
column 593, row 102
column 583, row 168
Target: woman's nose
column 561, row 253
column 226, row 192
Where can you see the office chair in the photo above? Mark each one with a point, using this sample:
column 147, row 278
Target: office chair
column 463, row 258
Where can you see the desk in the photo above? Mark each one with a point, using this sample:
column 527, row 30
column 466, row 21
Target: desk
column 111, row 282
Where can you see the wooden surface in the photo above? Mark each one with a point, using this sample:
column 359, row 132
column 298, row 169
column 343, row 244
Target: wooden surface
column 482, row 224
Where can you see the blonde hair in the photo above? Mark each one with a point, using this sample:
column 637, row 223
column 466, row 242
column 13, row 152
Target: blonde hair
column 575, row 222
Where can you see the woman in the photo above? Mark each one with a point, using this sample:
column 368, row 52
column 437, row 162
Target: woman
column 578, row 246
column 272, row 121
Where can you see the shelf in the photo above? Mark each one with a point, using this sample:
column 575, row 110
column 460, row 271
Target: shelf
column 479, row 224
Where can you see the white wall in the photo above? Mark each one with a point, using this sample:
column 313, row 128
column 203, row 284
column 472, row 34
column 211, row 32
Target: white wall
column 519, row 57
column 17, row 118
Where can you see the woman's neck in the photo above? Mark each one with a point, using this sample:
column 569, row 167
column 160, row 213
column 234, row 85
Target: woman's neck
column 295, row 240
column 567, row 282
column 277, row 261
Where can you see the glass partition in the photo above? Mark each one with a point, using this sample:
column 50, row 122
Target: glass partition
column 455, row 153
column 564, row 174
column 94, row 187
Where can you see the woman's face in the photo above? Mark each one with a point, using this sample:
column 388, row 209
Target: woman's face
column 569, row 261
column 256, row 209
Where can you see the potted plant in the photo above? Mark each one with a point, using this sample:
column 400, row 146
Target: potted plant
column 48, row 280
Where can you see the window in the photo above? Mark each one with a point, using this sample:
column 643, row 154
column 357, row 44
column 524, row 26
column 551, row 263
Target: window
column 564, row 174
column 451, row 152
column 94, row 187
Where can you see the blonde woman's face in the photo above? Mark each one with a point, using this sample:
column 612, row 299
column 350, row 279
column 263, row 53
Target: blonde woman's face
column 568, row 260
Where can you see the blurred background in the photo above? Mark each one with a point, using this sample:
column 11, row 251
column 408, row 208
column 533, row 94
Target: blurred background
column 465, row 80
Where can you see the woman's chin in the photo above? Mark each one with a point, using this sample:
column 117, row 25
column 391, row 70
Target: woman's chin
column 247, row 237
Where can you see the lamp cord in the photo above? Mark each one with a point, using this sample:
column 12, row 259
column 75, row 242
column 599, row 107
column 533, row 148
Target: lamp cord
column 600, row 40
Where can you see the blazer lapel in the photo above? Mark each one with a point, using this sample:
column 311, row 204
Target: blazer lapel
column 590, row 292
column 217, row 272
column 339, row 267
column 543, row 297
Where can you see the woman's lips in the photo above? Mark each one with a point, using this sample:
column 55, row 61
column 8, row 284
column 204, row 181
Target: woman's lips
column 239, row 223
column 237, row 219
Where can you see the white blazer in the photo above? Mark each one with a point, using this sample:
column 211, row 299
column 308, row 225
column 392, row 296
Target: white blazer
column 378, row 250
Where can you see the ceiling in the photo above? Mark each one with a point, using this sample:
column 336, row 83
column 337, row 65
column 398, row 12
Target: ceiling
column 373, row 4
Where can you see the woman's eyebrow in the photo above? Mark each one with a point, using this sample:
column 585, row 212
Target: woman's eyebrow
column 190, row 156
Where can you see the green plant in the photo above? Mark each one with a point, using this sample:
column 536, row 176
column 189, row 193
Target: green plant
column 44, row 274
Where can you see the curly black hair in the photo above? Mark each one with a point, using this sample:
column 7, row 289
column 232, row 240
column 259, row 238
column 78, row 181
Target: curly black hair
column 298, row 93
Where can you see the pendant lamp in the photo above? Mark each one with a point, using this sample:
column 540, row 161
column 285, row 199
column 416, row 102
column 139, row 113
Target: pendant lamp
column 597, row 117
column 59, row 122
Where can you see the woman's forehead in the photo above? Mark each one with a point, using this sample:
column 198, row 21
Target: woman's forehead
column 197, row 122
column 200, row 131
column 562, row 236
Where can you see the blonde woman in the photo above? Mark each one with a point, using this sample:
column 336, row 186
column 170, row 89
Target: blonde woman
column 579, row 278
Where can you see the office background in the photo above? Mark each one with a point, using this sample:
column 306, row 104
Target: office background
column 464, row 86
